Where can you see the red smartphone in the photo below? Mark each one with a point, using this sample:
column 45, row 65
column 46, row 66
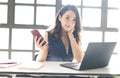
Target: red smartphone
column 35, row 33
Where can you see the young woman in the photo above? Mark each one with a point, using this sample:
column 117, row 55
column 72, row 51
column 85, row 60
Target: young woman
column 64, row 39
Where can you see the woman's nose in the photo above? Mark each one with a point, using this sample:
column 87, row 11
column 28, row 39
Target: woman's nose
column 70, row 22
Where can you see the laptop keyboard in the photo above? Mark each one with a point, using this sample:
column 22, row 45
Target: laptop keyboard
column 71, row 65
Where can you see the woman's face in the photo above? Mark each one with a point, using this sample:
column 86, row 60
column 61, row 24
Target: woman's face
column 68, row 20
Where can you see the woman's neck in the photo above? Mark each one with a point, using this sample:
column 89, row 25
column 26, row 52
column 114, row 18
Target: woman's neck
column 64, row 33
column 65, row 40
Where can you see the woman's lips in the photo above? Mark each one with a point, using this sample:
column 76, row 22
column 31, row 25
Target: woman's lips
column 68, row 26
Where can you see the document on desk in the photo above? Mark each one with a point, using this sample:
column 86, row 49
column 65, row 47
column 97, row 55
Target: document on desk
column 32, row 65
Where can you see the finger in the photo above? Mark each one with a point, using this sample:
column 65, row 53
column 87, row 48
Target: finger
column 73, row 29
column 38, row 42
column 43, row 43
column 35, row 39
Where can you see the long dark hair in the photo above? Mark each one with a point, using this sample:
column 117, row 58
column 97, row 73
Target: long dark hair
column 56, row 31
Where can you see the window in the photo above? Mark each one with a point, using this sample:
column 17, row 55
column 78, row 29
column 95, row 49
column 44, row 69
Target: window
column 92, row 3
column 45, row 16
column 3, row 14
column 4, row 33
column 46, row 2
column 90, row 36
column 92, row 17
column 113, row 13
column 73, row 2
column 100, row 22
column 24, row 14
column 25, row 1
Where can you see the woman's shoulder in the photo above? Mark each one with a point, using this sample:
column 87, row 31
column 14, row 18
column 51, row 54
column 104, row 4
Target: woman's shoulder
column 50, row 27
column 47, row 33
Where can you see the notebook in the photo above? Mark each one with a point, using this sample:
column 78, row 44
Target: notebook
column 97, row 55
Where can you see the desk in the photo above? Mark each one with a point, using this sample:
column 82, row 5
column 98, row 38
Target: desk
column 53, row 68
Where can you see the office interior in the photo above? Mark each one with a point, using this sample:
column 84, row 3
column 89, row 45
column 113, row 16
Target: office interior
column 99, row 20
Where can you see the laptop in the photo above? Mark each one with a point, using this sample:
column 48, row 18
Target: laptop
column 97, row 55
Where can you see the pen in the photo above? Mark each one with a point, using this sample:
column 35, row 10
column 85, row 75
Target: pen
column 8, row 63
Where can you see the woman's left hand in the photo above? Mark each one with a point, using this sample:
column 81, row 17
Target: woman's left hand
column 71, row 32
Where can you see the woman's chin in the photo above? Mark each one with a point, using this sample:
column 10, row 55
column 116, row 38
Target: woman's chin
column 68, row 30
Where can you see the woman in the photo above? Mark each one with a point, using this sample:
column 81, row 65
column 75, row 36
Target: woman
column 64, row 39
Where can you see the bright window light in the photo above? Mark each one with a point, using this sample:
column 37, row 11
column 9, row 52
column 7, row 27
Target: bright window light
column 113, row 37
column 91, row 17
column 113, row 18
column 92, row 2
column 73, row 2
column 45, row 16
column 24, row 15
column 46, row 1
column 3, row 0
column 4, row 34
column 22, row 39
column 24, row 1
column 3, row 55
column 90, row 36
column 3, row 14
column 22, row 56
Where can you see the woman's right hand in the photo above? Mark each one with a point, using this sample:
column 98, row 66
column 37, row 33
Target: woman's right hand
column 40, row 44
column 42, row 55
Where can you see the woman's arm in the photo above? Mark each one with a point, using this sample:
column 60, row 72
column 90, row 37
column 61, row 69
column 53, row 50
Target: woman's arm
column 42, row 55
column 76, row 49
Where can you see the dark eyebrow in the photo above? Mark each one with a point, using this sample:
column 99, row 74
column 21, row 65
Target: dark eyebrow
column 70, row 16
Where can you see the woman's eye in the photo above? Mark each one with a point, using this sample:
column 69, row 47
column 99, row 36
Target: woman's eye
column 74, row 19
column 67, row 17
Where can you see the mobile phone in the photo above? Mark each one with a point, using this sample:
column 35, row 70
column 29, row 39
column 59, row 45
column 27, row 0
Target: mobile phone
column 35, row 33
